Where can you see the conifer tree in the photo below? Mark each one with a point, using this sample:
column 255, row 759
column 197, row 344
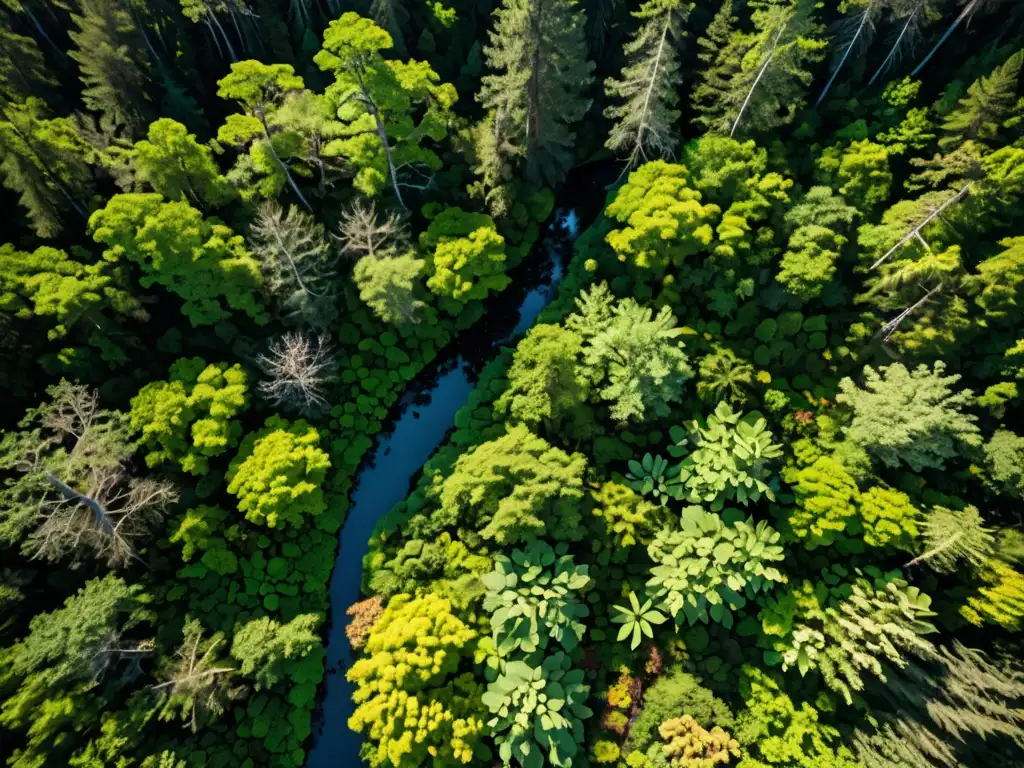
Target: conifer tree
column 645, row 127
column 909, row 417
column 390, row 285
column 722, row 51
column 537, row 92
column 47, row 162
column 113, row 65
column 981, row 113
column 23, row 70
column 298, row 263
column 768, row 86
column 854, row 34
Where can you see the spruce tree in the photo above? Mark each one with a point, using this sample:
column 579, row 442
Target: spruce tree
column 982, row 112
column 47, row 162
column 537, row 92
column 113, row 65
column 759, row 78
column 646, row 95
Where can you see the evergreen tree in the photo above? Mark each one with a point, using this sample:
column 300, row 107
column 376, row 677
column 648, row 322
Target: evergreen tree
column 537, row 92
column 767, row 88
column 47, row 162
column 23, row 70
column 909, row 417
column 113, row 65
column 298, row 263
column 645, row 127
column 981, row 114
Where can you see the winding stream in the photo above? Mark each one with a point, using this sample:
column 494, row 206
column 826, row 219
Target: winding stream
column 426, row 413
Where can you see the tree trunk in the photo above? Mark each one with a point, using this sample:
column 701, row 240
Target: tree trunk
column 896, row 45
column 952, row 28
column 287, row 173
column 757, row 79
column 383, row 136
column 856, row 36
column 638, row 150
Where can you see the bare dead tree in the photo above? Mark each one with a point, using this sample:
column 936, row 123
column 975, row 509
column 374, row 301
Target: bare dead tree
column 196, row 683
column 298, row 367
column 298, row 263
column 74, row 494
column 363, row 232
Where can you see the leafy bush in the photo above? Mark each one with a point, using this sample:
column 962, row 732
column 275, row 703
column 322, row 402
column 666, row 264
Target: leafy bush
column 708, row 568
column 538, row 710
column 727, row 459
column 278, row 473
column 532, row 597
column 411, row 701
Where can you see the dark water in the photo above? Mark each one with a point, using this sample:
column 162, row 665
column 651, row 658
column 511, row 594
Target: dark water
column 425, row 414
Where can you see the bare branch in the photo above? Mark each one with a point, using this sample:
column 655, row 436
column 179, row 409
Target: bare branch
column 916, row 231
column 299, row 368
column 362, row 232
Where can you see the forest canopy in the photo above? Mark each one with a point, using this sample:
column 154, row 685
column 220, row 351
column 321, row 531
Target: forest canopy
column 747, row 492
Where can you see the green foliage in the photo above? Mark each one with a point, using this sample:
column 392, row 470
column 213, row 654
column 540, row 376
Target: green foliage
column 653, row 476
column 648, row 87
column 998, row 285
column 950, row 536
column 269, row 651
column 826, row 497
column 78, row 299
column 178, row 167
column 726, row 459
column 200, row 260
column 465, row 258
column 625, row 519
column 191, row 417
column 278, row 473
column 411, row 701
column 45, row 161
column 819, row 226
column 532, row 597
column 637, row 362
column 546, row 385
column 636, row 620
column 774, row 731
column 674, row 693
column 1000, row 601
column 538, row 710
column 52, row 672
column 710, row 566
column 514, row 488
column 980, row 115
column 889, row 518
column 388, row 109
column 758, row 79
column 723, row 375
column 909, row 417
column 1004, row 459
column 846, row 626
column 198, row 532
column 666, row 222
column 390, row 286
column 688, row 745
column 540, row 43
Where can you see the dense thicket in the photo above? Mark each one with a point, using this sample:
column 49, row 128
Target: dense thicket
column 747, row 494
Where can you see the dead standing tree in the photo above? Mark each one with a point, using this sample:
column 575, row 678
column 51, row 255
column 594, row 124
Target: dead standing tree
column 73, row 494
column 298, row 367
